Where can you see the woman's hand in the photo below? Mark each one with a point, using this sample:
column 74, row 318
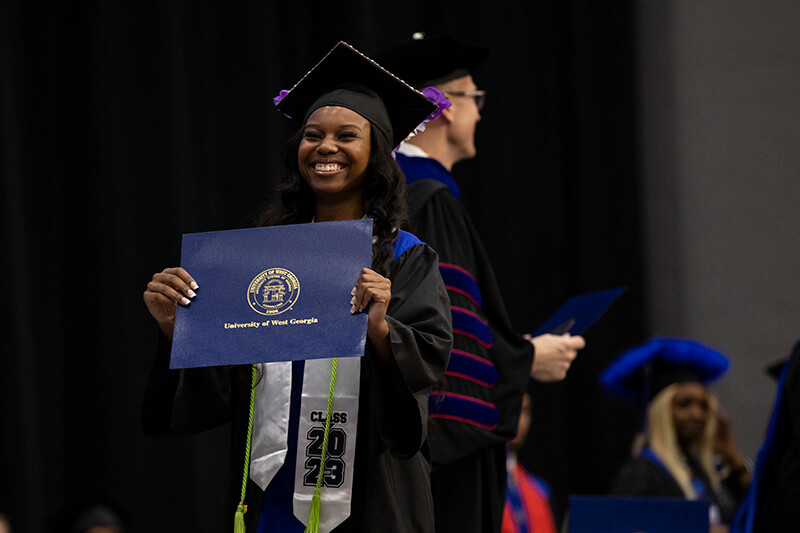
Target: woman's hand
column 374, row 291
column 167, row 289
column 725, row 445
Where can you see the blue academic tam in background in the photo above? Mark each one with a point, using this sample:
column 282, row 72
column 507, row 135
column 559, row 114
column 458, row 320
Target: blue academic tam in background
column 279, row 293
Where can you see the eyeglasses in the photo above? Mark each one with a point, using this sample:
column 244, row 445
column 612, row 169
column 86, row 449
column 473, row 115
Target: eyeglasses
column 479, row 96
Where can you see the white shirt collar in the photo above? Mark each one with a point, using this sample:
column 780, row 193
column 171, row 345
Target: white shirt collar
column 412, row 150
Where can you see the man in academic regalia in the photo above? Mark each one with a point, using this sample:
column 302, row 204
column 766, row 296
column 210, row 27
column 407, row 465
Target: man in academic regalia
column 476, row 411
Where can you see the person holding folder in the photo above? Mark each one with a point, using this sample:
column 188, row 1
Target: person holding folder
column 337, row 167
column 491, row 364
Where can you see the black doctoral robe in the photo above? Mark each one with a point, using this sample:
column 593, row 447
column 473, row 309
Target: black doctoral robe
column 391, row 487
column 476, row 411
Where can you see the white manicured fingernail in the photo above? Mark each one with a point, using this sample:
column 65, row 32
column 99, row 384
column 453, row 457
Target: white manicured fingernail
column 185, row 301
column 352, row 309
column 191, row 293
column 194, row 285
column 354, row 291
column 353, row 300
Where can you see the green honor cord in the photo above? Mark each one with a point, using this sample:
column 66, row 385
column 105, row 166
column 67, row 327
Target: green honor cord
column 313, row 514
column 238, row 520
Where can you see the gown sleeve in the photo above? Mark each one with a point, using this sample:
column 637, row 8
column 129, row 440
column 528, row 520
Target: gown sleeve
column 186, row 401
column 502, row 354
column 420, row 335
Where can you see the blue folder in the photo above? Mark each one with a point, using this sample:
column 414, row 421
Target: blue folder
column 579, row 312
column 602, row 514
column 279, row 293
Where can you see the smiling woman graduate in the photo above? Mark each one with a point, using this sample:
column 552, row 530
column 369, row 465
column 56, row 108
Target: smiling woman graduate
column 337, row 167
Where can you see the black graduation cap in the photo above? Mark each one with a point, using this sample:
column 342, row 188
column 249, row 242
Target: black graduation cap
column 345, row 77
column 643, row 371
column 432, row 60
column 775, row 368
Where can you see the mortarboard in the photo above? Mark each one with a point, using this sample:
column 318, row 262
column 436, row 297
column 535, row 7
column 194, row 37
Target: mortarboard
column 432, row 60
column 643, row 371
column 347, row 78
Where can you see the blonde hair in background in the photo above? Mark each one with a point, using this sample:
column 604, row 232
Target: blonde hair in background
column 661, row 437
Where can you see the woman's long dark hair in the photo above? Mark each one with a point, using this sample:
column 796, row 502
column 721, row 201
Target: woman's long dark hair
column 293, row 200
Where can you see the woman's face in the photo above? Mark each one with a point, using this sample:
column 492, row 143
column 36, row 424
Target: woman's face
column 690, row 411
column 334, row 152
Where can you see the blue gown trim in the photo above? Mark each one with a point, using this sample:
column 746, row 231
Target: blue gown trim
column 470, row 325
column 471, row 367
column 403, row 242
column 461, row 408
column 458, row 279
column 419, row 168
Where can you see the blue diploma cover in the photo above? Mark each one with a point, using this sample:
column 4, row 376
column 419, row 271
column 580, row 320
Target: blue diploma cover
column 279, row 293
column 609, row 514
column 579, row 312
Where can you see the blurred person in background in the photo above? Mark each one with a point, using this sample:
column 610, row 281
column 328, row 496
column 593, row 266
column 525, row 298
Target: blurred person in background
column 686, row 449
column 527, row 507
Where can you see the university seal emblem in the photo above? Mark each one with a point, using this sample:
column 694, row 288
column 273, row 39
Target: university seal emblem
column 273, row 291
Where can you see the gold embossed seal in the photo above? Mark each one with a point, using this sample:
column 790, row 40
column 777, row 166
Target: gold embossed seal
column 273, row 291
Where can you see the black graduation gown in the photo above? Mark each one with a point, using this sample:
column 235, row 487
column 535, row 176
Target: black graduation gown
column 469, row 461
column 640, row 476
column 391, row 487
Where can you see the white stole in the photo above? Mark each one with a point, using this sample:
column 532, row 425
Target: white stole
column 270, row 430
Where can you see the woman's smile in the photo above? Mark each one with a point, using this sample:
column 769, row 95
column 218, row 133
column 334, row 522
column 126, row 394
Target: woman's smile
column 327, row 167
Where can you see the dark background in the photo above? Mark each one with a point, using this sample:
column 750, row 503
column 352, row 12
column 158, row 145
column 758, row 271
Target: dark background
column 123, row 126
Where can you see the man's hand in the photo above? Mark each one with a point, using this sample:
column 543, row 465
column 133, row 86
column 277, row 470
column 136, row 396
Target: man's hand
column 554, row 355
